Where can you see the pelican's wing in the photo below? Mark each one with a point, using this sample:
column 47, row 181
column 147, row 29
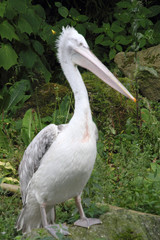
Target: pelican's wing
column 34, row 153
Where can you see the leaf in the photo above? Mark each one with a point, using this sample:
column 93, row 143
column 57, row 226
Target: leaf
column 124, row 4
column 8, row 56
column 18, row 5
column 107, row 43
column 154, row 11
column 2, row 8
column 82, row 18
column 98, row 30
column 7, row 31
column 122, row 40
column 17, row 92
column 38, row 47
column 110, row 34
column 7, row 165
column 73, row 12
column 46, row 34
column 5, row 98
column 112, row 53
column 119, row 48
column 81, row 29
column 39, row 10
column 33, row 19
column 63, row 11
column 142, row 42
column 10, row 180
column 30, row 124
column 24, row 25
column 42, row 69
column 58, row 4
column 28, row 58
column 3, row 141
column 116, row 28
column 99, row 39
column 124, row 17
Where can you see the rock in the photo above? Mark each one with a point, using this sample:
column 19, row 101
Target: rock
column 118, row 224
column 149, row 58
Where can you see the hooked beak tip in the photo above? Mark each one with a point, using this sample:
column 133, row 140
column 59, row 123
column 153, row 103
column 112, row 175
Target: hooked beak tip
column 135, row 100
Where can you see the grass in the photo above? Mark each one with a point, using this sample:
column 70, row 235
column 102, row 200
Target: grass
column 126, row 172
column 10, row 205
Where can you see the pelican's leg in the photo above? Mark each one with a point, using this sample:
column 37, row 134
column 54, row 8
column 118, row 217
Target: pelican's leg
column 53, row 215
column 55, row 228
column 84, row 221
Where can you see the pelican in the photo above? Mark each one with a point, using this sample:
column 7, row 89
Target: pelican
column 58, row 162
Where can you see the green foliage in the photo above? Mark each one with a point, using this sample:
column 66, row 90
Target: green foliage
column 9, row 210
column 127, row 169
column 130, row 28
column 22, row 29
column 31, row 125
column 13, row 99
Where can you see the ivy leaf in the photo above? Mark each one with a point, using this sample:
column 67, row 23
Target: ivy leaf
column 112, row 53
column 63, row 11
column 24, row 25
column 2, row 9
column 7, row 31
column 8, row 56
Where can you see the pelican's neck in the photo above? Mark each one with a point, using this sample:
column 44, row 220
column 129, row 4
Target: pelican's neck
column 78, row 87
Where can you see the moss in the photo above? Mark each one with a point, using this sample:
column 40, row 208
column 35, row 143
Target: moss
column 128, row 235
column 46, row 98
column 110, row 109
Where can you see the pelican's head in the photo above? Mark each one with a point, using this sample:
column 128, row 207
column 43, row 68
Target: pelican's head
column 68, row 41
column 72, row 47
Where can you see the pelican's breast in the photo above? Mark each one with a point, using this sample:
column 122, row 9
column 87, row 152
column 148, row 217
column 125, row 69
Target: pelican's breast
column 65, row 168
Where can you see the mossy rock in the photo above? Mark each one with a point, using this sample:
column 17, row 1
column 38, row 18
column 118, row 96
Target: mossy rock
column 110, row 108
column 46, row 98
column 117, row 224
column 149, row 62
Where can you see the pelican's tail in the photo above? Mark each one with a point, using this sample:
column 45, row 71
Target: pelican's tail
column 29, row 219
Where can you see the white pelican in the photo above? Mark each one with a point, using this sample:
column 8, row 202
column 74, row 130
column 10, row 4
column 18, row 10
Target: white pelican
column 58, row 162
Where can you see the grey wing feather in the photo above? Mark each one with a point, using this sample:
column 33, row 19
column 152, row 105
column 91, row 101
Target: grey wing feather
column 33, row 154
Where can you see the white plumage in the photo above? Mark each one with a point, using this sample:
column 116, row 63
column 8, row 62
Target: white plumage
column 58, row 162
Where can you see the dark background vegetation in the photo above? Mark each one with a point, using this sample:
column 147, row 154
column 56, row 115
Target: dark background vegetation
column 127, row 169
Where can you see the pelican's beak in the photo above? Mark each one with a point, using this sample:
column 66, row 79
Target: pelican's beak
column 85, row 58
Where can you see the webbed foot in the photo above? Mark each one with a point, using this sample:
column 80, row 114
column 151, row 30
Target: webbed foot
column 57, row 228
column 87, row 222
